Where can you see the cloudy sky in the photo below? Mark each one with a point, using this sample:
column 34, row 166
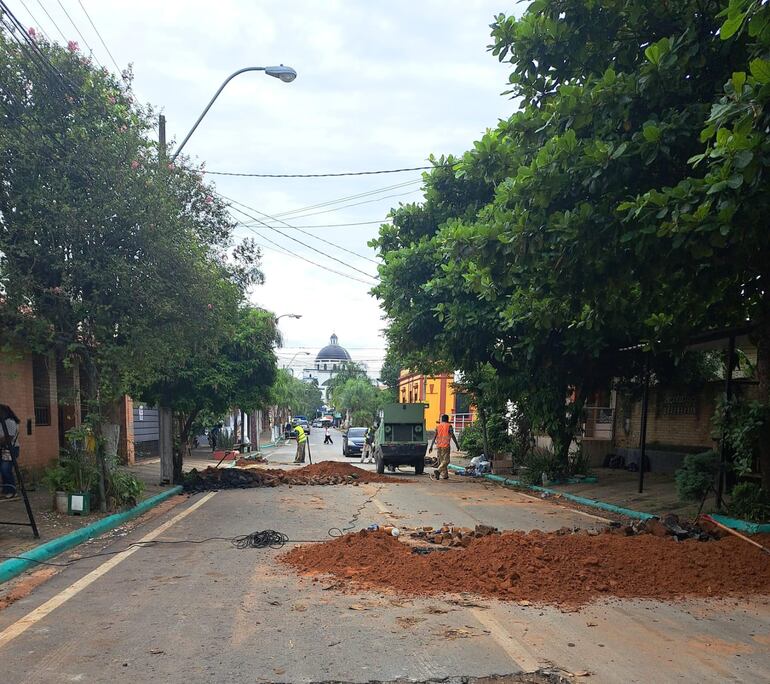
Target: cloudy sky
column 381, row 85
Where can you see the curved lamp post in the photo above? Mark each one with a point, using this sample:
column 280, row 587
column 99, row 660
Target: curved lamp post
column 278, row 318
column 288, row 365
column 284, row 73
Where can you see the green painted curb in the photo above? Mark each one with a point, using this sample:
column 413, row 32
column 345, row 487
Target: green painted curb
column 741, row 525
column 571, row 497
column 15, row 566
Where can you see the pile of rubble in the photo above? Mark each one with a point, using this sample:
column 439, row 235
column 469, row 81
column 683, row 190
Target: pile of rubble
column 565, row 568
column 326, row 473
column 451, row 536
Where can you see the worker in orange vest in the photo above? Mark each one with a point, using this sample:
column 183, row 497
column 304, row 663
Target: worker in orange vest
column 442, row 439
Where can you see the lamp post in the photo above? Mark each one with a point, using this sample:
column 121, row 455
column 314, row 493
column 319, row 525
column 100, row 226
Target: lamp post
column 284, row 73
column 288, row 365
column 278, row 318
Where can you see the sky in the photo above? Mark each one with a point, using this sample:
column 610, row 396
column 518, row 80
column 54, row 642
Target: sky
column 380, row 85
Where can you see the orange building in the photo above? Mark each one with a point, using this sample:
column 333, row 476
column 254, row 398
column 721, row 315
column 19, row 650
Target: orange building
column 439, row 394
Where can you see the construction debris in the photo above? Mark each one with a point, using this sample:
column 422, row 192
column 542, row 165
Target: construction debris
column 567, row 569
column 325, row 473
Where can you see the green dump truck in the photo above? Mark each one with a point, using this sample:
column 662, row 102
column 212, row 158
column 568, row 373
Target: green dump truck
column 400, row 438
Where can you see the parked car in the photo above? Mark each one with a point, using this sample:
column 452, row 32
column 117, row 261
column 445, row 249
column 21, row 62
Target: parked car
column 316, row 423
column 353, row 441
column 302, row 422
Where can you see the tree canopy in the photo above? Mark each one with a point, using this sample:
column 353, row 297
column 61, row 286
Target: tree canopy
column 620, row 204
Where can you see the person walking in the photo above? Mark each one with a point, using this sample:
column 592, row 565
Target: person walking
column 442, row 440
column 367, row 454
column 9, row 431
column 327, row 436
column 301, row 439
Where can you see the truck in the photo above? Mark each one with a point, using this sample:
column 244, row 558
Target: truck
column 400, row 437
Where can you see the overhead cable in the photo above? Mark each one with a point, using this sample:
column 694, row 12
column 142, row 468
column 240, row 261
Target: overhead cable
column 356, row 204
column 55, row 25
column 99, row 35
column 341, row 225
column 79, row 32
column 304, row 232
column 329, row 175
column 347, row 198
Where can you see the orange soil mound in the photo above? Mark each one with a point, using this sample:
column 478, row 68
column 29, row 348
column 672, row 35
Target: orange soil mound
column 545, row 568
column 331, row 468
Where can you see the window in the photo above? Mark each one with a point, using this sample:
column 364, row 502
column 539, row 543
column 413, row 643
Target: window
column 430, row 389
column 324, row 366
column 679, row 404
column 41, row 390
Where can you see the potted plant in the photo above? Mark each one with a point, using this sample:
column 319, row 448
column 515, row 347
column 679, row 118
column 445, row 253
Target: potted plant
column 57, row 480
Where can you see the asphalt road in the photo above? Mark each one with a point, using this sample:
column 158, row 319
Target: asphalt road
column 210, row 613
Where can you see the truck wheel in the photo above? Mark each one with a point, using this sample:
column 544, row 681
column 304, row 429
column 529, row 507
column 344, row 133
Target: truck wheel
column 419, row 467
column 380, row 462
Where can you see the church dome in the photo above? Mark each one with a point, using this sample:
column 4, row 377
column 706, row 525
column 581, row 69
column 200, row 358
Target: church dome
column 333, row 351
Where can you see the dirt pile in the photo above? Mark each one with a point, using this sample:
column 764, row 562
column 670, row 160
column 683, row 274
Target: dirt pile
column 545, row 568
column 325, row 473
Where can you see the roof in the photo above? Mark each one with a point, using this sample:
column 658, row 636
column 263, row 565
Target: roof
column 333, row 351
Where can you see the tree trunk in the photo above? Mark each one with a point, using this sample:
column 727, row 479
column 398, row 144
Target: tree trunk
column 763, row 377
column 183, row 449
column 484, row 433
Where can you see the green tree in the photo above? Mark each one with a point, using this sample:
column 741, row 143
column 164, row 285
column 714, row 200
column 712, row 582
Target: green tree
column 518, row 257
column 360, row 400
column 107, row 258
column 239, row 373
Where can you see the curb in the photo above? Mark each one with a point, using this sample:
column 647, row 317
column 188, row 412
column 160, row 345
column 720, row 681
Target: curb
column 509, row 482
column 741, row 525
column 15, row 566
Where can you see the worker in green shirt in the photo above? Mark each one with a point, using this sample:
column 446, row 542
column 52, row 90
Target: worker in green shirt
column 301, row 439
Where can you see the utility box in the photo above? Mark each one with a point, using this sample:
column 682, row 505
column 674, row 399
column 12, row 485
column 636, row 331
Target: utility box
column 400, row 438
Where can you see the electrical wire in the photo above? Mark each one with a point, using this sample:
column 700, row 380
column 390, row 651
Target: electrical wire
column 80, row 33
column 347, row 198
column 34, row 19
column 342, row 225
column 304, row 232
column 304, row 244
column 357, row 204
column 55, row 25
column 99, row 35
column 281, row 249
column 329, row 175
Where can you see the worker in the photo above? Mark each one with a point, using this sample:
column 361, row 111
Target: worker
column 367, row 455
column 301, row 439
column 442, row 439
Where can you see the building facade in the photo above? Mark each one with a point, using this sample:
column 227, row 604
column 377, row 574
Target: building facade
column 328, row 362
column 439, row 395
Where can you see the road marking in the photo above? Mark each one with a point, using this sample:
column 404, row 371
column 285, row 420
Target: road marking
column 517, row 651
column 23, row 624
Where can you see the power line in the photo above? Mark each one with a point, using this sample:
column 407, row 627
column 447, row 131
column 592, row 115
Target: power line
column 341, row 225
column 356, row 204
column 304, row 232
column 328, row 175
column 347, row 198
column 55, row 25
column 32, row 16
column 82, row 37
column 304, row 244
column 99, row 35
column 299, row 256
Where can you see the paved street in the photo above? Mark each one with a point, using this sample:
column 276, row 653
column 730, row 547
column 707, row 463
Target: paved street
column 211, row 613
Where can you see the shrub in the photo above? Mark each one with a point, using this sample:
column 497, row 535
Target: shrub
column 697, row 476
column 123, row 488
column 748, row 501
column 538, row 461
column 472, row 438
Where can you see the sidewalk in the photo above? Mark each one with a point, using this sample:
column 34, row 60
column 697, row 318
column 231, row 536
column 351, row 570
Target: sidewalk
column 15, row 539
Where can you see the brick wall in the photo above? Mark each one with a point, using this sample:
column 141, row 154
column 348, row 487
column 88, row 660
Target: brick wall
column 674, row 418
column 41, row 447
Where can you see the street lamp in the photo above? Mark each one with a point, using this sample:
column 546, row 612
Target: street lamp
column 284, row 73
column 288, row 365
column 278, row 318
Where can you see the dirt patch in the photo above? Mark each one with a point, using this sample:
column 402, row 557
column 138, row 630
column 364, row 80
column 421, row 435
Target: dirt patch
column 324, row 473
column 545, row 568
column 25, row 585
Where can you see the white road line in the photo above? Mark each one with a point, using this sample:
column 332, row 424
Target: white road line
column 23, row 624
column 517, row 651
